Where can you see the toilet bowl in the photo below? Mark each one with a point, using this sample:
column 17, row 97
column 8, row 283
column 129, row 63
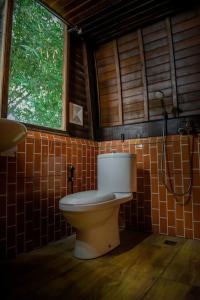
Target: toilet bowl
column 95, row 213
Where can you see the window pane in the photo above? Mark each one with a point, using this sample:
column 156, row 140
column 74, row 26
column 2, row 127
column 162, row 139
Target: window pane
column 35, row 87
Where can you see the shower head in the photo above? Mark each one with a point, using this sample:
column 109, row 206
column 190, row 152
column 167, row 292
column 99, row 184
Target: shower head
column 160, row 96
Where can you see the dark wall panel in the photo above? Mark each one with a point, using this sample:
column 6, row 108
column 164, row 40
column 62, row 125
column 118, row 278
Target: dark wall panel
column 131, row 78
column 158, row 71
column 77, row 85
column 109, row 89
column 164, row 56
column 186, row 40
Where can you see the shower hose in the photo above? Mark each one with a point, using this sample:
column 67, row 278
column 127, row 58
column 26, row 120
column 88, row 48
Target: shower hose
column 165, row 172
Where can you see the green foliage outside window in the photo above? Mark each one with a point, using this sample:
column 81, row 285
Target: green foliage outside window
column 35, row 87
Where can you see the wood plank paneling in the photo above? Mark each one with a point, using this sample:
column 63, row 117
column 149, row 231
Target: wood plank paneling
column 7, row 10
column 163, row 56
column 78, row 84
column 122, row 79
column 109, row 84
column 118, row 17
column 186, row 38
column 158, row 69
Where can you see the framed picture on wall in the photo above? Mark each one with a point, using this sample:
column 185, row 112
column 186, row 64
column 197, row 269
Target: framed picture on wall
column 75, row 114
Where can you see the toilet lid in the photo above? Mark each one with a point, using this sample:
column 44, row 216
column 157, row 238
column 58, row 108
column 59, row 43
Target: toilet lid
column 87, row 197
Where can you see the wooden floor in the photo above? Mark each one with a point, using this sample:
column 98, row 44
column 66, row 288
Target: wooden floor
column 143, row 267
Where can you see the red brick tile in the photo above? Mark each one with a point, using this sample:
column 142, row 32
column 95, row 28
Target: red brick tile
column 153, row 154
column 196, row 212
column 172, row 231
column 155, row 229
column 155, row 216
column 197, row 230
column 179, row 211
column 21, row 147
column 196, row 195
column 11, row 215
column 163, row 226
column 179, row 227
column 3, row 184
column 20, row 162
column 170, row 202
column 169, row 153
column 196, row 180
column 11, row 237
column 29, row 153
column 177, row 162
column 185, row 153
column 176, row 146
column 163, row 211
column 155, row 201
column 188, row 234
column 154, row 185
column 162, row 193
column 154, row 169
column 11, row 193
column 146, row 148
column 37, row 146
column 171, row 218
column 195, row 161
column 146, row 162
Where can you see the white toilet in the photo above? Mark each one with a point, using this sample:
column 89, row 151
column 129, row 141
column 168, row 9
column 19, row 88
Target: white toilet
column 95, row 213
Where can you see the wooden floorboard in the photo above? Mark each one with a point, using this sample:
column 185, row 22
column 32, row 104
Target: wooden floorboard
column 142, row 267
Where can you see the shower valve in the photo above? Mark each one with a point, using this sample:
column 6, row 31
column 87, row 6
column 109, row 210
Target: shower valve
column 186, row 129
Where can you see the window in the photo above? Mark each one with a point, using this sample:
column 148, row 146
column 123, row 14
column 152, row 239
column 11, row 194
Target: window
column 35, row 84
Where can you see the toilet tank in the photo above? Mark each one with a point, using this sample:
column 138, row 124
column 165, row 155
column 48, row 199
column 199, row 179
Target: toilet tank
column 116, row 172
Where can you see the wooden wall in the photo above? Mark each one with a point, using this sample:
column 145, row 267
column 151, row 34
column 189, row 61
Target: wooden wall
column 77, row 85
column 131, row 69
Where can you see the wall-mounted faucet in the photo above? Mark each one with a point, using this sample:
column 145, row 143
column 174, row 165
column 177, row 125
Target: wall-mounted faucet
column 71, row 174
column 187, row 128
column 71, row 171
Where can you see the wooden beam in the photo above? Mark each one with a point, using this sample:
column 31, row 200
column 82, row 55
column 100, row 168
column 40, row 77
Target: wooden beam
column 88, row 90
column 144, row 20
column 114, row 15
column 172, row 63
column 125, row 17
column 98, row 92
column 65, row 86
column 5, row 59
column 119, row 85
column 144, row 77
column 98, row 11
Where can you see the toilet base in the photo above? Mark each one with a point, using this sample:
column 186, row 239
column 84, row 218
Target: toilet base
column 94, row 242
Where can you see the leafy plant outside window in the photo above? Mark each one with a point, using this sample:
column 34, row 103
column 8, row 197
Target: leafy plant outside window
column 35, row 86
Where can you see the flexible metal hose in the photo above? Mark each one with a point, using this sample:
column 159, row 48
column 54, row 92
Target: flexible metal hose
column 164, row 159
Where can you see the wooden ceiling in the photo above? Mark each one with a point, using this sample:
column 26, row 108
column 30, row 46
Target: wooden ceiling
column 102, row 20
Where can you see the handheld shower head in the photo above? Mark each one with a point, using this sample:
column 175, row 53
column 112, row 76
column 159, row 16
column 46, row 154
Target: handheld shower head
column 160, row 96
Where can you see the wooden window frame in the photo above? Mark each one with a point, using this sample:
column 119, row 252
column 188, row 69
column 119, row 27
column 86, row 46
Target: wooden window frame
column 5, row 72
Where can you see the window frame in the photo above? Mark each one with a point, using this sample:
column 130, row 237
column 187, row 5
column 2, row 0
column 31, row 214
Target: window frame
column 5, row 72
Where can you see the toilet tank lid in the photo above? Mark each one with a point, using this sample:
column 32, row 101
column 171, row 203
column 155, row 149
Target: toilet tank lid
column 116, row 155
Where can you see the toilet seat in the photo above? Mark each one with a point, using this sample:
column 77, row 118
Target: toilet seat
column 92, row 200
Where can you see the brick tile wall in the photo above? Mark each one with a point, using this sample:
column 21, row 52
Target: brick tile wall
column 32, row 183
column 154, row 208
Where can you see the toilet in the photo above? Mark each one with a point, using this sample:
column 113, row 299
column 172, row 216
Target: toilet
column 95, row 213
